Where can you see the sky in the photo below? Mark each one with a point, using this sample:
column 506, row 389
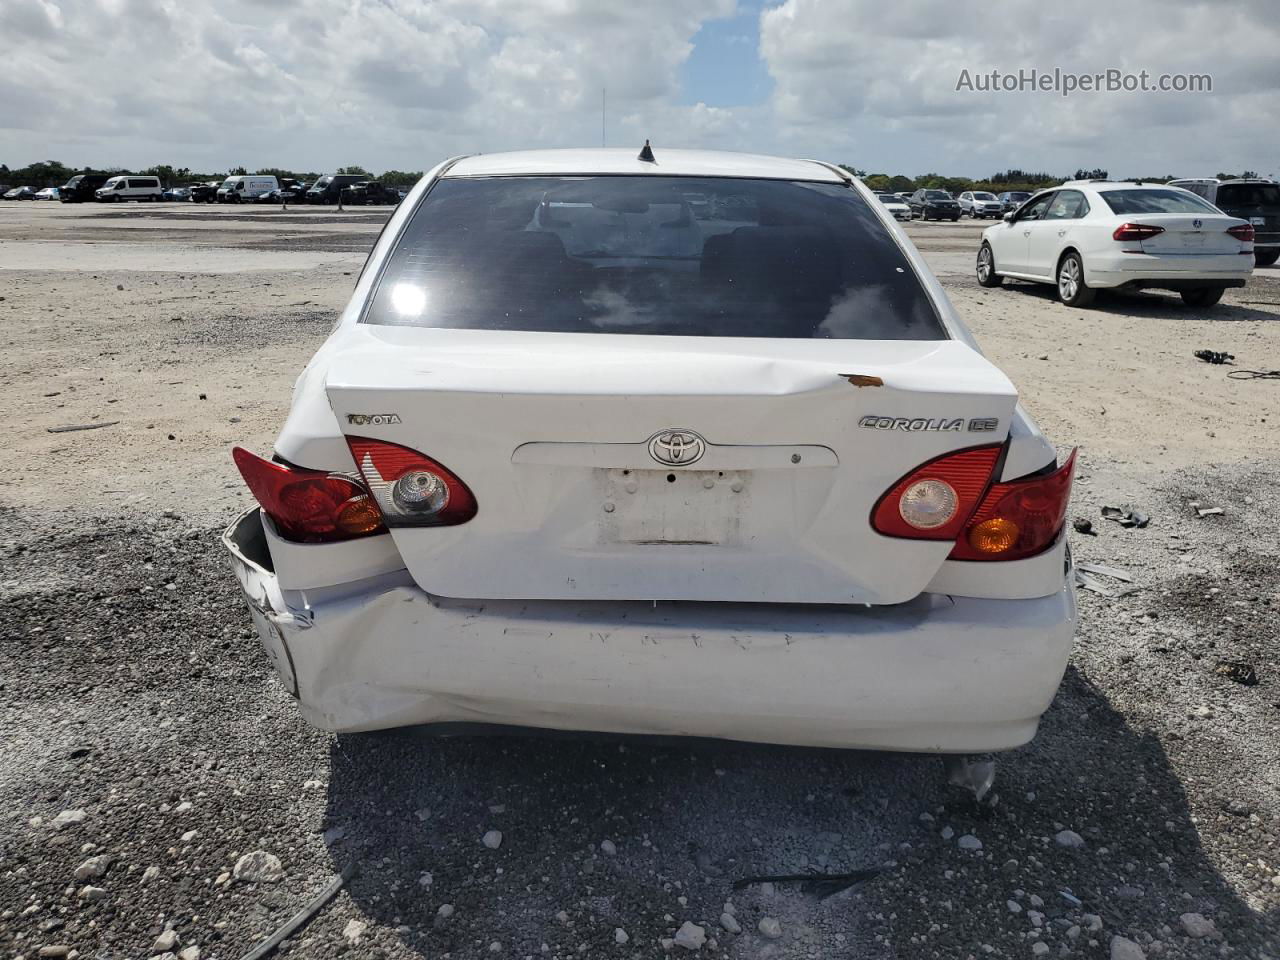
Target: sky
column 401, row 84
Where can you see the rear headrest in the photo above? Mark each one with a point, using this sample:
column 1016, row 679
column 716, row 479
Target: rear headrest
column 520, row 244
column 791, row 262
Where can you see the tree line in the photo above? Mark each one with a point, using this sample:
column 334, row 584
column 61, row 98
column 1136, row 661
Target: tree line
column 51, row 173
column 1005, row 180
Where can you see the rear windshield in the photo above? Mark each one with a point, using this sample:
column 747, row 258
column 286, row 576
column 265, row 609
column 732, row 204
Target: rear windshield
column 1249, row 195
column 937, row 195
column 676, row 256
column 1155, row 201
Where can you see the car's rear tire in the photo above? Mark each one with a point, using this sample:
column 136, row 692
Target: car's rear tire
column 986, row 267
column 1072, row 289
column 1202, row 296
column 1265, row 258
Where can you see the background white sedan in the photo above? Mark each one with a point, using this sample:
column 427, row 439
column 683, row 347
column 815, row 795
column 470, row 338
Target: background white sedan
column 900, row 209
column 1087, row 235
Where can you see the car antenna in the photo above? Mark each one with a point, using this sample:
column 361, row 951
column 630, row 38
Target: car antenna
column 646, row 153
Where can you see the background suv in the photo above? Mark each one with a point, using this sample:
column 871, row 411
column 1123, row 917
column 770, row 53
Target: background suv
column 1257, row 201
column 371, row 192
column 206, row 192
column 979, row 204
column 329, row 188
column 934, row 205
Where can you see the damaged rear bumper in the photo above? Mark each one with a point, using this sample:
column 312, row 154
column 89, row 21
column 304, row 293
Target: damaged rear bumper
column 936, row 674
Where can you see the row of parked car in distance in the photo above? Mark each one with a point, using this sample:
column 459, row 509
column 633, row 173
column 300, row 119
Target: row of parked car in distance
column 345, row 188
column 928, row 204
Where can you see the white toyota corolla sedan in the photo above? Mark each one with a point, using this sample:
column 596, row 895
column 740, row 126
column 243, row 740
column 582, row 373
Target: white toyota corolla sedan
column 693, row 445
column 1092, row 234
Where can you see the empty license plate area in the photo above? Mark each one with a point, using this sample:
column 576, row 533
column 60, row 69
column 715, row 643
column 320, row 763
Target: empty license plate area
column 675, row 508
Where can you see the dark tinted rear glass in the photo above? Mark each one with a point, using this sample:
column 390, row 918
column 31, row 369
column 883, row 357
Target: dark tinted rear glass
column 653, row 255
column 1249, row 195
column 1155, row 201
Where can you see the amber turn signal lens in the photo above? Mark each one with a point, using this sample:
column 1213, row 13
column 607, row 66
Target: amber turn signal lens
column 359, row 515
column 994, row 536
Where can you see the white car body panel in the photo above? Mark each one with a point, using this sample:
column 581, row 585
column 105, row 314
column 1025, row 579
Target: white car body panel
column 565, row 615
column 1185, row 253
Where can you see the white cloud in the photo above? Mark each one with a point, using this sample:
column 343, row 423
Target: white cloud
column 854, row 76
column 318, row 84
column 312, row 84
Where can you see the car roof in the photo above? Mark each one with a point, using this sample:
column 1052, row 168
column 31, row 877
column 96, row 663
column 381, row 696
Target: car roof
column 1126, row 185
column 668, row 162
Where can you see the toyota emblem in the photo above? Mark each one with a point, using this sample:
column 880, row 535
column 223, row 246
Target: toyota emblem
column 677, row 448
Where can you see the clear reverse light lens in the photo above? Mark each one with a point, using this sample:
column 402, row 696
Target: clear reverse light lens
column 928, row 504
column 420, row 492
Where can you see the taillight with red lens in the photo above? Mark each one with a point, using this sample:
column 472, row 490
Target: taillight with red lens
column 309, row 506
column 1243, row 232
column 934, row 501
column 1018, row 519
column 411, row 489
column 1136, row 231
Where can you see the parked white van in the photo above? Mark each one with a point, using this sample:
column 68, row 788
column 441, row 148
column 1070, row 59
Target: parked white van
column 241, row 188
column 130, row 188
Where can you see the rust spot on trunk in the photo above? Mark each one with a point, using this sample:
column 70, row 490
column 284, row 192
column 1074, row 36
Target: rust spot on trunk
column 862, row 379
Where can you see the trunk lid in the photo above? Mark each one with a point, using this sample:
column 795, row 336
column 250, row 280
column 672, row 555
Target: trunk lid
column 1188, row 235
column 775, row 466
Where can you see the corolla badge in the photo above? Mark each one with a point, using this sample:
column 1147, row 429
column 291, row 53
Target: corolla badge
column 929, row 424
column 677, row 448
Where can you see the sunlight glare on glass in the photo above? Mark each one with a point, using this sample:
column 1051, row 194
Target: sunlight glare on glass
column 408, row 299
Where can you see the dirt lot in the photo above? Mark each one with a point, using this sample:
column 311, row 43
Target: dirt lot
column 139, row 723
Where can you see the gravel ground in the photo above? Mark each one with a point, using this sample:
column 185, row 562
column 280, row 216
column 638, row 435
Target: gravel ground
column 145, row 749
